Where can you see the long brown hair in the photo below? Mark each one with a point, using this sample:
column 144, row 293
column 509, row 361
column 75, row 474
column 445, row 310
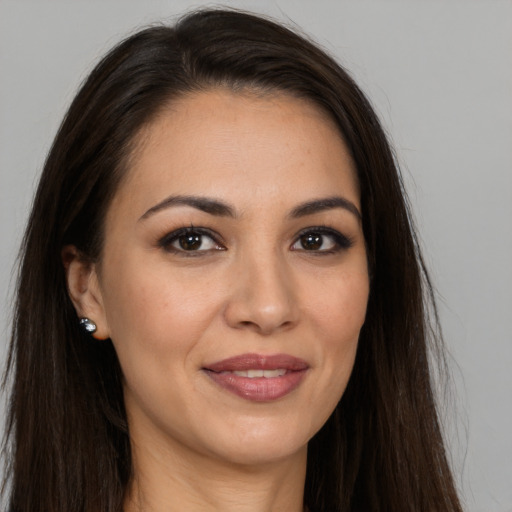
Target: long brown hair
column 67, row 434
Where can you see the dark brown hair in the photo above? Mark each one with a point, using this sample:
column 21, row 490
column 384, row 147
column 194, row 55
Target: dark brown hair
column 67, row 436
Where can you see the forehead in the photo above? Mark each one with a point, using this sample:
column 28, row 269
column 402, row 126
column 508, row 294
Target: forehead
column 221, row 143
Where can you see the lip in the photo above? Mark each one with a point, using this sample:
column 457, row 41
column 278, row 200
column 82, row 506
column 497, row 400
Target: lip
column 258, row 389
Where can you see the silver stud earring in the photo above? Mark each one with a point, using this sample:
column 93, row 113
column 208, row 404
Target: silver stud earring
column 88, row 325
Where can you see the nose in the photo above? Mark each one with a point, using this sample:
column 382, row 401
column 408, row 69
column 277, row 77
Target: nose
column 263, row 296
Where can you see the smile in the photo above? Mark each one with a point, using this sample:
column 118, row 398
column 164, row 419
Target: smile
column 257, row 377
column 252, row 374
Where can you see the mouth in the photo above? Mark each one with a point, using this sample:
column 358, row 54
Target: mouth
column 254, row 374
column 258, row 378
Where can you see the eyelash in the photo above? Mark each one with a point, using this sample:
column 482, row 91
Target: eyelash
column 341, row 242
column 167, row 241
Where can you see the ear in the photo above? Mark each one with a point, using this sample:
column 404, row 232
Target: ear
column 84, row 290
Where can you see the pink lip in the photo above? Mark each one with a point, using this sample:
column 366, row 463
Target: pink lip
column 258, row 389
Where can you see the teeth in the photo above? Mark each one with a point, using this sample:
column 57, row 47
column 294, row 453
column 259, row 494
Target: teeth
column 268, row 374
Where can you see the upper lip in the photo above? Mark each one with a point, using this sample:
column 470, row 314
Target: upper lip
column 258, row 362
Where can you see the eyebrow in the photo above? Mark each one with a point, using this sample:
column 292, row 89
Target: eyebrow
column 221, row 209
column 205, row 204
column 327, row 203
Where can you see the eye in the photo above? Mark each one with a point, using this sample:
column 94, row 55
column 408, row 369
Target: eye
column 190, row 240
column 321, row 240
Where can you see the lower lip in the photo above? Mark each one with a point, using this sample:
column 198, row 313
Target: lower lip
column 258, row 389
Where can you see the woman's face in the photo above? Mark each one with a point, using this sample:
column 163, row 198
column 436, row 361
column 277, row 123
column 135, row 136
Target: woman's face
column 233, row 280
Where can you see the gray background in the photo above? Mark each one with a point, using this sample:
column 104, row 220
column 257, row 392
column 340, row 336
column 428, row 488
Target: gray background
column 439, row 74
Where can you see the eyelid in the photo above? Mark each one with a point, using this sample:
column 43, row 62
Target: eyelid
column 343, row 242
column 166, row 241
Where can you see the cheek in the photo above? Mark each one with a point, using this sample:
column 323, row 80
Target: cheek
column 340, row 314
column 340, row 309
column 159, row 311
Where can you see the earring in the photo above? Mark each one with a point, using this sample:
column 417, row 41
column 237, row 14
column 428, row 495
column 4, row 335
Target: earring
column 88, row 325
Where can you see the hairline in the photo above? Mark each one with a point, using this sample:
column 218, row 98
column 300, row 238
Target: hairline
column 141, row 138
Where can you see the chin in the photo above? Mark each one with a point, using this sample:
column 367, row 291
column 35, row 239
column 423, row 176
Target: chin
column 262, row 454
column 260, row 444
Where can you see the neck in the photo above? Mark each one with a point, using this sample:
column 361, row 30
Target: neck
column 174, row 481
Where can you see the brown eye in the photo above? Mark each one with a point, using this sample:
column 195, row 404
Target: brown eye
column 190, row 242
column 321, row 240
column 314, row 241
column 311, row 241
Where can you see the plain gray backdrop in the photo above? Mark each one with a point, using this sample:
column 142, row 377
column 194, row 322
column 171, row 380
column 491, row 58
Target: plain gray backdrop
column 440, row 75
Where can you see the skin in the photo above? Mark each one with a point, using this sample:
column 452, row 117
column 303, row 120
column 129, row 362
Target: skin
column 252, row 288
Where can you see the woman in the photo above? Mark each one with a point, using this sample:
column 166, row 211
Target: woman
column 221, row 302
